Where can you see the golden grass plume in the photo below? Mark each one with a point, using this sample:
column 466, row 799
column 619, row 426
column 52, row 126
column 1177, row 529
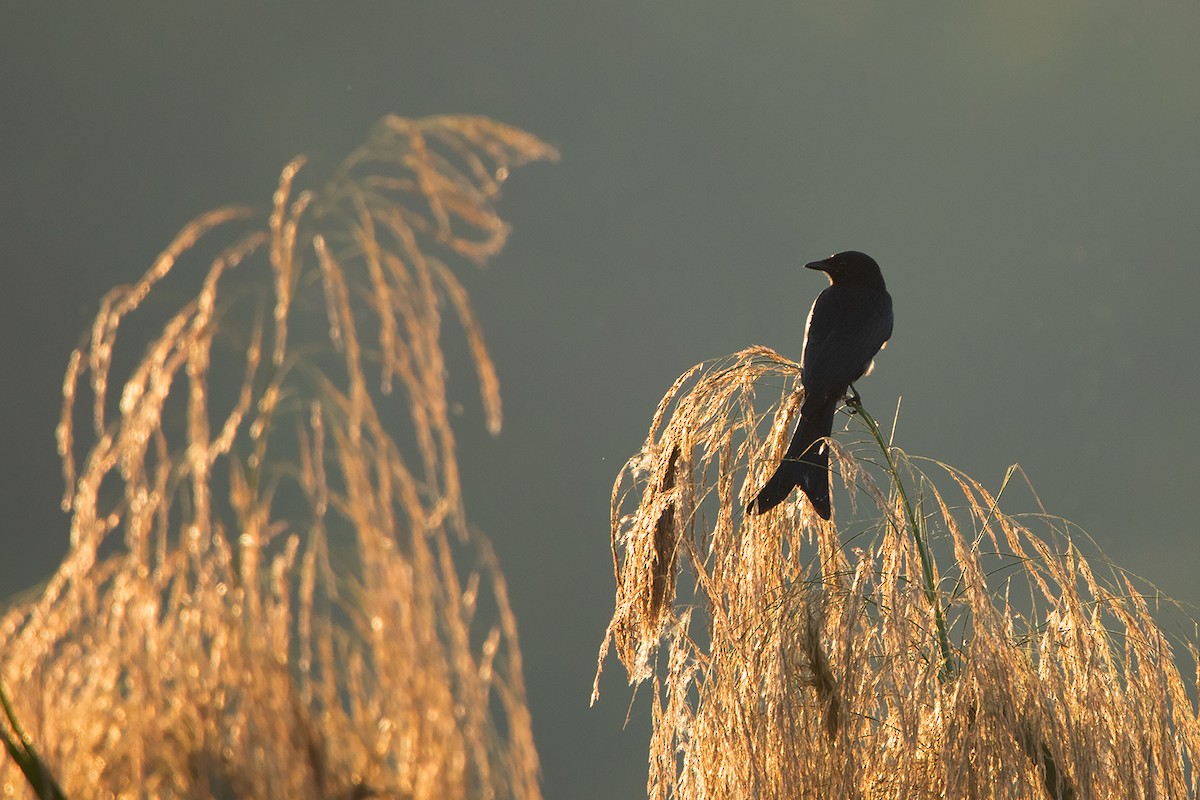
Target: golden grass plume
column 272, row 589
column 934, row 646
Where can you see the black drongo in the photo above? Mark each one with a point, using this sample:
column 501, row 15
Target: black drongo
column 847, row 325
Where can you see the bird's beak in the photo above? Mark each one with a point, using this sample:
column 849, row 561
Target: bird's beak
column 822, row 265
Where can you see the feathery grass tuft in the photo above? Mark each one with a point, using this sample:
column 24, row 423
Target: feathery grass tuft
column 933, row 646
column 272, row 589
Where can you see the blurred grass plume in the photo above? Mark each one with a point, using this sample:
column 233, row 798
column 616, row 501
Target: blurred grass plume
column 788, row 658
column 272, row 589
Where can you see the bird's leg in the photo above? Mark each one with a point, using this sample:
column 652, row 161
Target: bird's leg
column 853, row 400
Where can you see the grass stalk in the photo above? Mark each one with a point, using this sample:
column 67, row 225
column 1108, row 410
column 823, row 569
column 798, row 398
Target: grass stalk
column 916, row 525
column 22, row 751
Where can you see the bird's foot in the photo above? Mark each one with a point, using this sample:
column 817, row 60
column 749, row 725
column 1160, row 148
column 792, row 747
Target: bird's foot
column 853, row 400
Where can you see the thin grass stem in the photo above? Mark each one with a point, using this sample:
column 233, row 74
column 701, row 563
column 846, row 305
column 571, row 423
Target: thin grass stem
column 915, row 521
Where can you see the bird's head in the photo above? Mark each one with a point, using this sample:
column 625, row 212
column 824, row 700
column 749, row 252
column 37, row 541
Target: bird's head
column 850, row 267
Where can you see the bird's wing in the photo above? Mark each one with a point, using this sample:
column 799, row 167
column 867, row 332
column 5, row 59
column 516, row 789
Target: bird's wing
column 846, row 327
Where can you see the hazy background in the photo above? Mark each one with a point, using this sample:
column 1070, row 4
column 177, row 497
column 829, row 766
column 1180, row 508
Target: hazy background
column 1027, row 174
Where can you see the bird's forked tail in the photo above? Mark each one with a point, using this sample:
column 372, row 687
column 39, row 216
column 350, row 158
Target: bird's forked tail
column 805, row 464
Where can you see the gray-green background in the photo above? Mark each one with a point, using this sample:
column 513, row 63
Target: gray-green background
column 1027, row 174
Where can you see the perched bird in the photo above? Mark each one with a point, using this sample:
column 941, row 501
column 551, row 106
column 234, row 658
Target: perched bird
column 847, row 325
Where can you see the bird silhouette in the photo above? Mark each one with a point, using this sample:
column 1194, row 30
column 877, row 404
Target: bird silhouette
column 848, row 324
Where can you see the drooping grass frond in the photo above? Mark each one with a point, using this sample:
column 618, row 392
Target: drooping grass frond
column 930, row 645
column 272, row 590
